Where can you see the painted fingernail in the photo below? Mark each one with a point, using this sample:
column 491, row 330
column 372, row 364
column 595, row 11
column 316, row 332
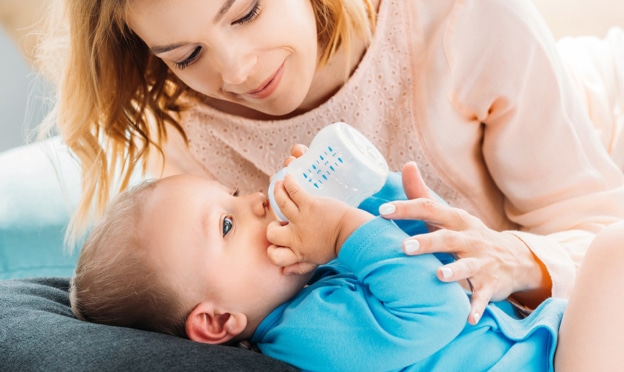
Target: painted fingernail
column 446, row 272
column 387, row 209
column 411, row 246
column 476, row 317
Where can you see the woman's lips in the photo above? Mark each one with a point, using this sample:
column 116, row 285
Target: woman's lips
column 269, row 86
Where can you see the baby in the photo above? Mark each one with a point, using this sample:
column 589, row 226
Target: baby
column 188, row 257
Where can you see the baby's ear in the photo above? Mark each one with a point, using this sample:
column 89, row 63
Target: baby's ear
column 209, row 325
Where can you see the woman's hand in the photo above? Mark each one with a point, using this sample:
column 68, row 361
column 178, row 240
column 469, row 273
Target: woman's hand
column 497, row 264
column 316, row 228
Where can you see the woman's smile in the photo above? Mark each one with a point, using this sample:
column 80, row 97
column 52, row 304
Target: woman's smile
column 269, row 86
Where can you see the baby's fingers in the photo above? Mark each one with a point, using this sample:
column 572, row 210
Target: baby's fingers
column 282, row 256
column 289, row 160
column 283, row 197
column 279, row 234
column 298, row 149
column 300, row 268
column 295, row 152
column 296, row 193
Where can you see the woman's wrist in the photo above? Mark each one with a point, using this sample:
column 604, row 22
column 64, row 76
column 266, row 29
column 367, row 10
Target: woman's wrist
column 532, row 282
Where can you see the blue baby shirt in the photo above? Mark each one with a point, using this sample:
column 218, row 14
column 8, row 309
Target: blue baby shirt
column 376, row 309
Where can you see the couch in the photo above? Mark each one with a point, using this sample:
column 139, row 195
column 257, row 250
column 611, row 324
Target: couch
column 39, row 187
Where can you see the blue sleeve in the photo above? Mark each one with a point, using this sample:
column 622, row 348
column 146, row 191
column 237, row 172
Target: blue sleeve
column 391, row 191
column 417, row 306
column 383, row 303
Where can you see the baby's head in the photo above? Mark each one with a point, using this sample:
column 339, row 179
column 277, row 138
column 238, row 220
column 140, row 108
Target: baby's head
column 182, row 256
column 115, row 281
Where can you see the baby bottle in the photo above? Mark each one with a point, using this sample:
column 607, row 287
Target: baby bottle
column 341, row 163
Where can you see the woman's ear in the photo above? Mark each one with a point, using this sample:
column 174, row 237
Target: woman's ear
column 210, row 325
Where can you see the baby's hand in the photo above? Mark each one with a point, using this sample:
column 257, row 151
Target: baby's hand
column 295, row 152
column 317, row 227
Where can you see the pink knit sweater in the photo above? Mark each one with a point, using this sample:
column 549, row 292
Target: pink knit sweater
column 475, row 93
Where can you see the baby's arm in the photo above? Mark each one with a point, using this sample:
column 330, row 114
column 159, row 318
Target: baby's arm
column 317, row 227
column 396, row 314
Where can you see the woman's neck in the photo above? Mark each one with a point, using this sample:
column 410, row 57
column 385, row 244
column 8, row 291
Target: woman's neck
column 327, row 81
column 331, row 77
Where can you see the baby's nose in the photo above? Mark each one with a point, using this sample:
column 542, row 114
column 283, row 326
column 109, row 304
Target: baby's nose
column 260, row 204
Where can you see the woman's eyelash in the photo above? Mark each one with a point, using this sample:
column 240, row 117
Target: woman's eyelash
column 250, row 16
column 184, row 64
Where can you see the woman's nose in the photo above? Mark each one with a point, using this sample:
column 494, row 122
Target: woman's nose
column 236, row 75
column 235, row 64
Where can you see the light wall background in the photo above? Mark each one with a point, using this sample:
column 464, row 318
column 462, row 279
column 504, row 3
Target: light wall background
column 23, row 101
column 581, row 17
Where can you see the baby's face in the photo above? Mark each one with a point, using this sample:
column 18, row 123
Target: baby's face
column 212, row 244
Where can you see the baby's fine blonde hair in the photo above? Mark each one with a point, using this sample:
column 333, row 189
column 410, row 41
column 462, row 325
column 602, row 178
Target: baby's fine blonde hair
column 115, row 98
column 116, row 282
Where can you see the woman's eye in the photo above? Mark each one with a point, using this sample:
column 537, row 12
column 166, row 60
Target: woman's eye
column 227, row 225
column 190, row 59
column 250, row 16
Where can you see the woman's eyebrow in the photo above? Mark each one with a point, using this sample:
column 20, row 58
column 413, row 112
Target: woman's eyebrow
column 166, row 48
column 224, row 9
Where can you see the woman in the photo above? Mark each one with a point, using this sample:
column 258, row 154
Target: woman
column 473, row 91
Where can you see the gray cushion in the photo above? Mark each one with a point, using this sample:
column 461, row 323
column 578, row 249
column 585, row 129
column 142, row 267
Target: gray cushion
column 39, row 333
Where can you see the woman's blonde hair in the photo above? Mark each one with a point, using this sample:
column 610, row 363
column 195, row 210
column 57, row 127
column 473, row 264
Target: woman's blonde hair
column 116, row 98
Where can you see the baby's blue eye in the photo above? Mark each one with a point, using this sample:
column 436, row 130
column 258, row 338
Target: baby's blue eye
column 227, row 225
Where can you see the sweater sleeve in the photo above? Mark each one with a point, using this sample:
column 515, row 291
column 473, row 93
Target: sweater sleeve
column 534, row 128
column 394, row 305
